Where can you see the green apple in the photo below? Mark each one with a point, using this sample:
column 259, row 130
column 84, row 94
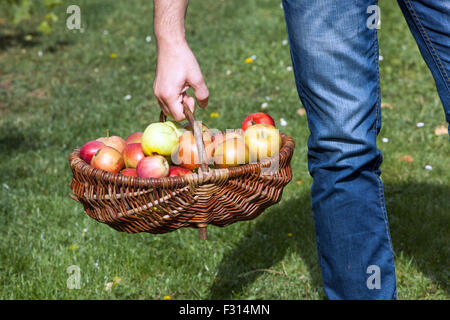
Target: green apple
column 160, row 138
column 178, row 128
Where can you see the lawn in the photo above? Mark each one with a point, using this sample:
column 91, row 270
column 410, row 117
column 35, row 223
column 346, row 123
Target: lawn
column 61, row 90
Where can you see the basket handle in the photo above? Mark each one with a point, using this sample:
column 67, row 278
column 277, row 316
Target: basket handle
column 198, row 136
column 202, row 233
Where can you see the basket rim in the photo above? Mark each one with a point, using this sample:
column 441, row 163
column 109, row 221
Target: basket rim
column 79, row 165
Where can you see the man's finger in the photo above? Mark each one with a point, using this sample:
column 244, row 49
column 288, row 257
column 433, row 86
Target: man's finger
column 176, row 109
column 190, row 102
column 201, row 92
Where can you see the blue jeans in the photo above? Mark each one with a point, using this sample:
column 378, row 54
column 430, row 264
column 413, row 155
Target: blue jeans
column 335, row 60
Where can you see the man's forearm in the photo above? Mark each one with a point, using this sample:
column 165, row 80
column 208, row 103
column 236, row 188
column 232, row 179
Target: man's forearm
column 177, row 70
column 169, row 18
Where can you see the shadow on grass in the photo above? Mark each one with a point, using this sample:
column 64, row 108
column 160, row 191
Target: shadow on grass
column 13, row 139
column 18, row 40
column 266, row 244
column 419, row 219
column 419, row 216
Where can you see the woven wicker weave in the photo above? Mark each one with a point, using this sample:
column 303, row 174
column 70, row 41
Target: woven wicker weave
column 210, row 197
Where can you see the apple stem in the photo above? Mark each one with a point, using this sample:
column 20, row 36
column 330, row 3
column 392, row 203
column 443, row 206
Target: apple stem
column 107, row 133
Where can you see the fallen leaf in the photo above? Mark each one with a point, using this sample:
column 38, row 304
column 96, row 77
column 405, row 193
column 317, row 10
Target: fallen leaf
column 299, row 182
column 407, row 158
column 6, row 85
column 439, row 131
column 387, row 105
column 301, row 111
column 38, row 93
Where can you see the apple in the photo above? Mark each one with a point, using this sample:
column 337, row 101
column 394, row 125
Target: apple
column 175, row 171
column 108, row 159
column 153, row 167
column 178, row 128
column 159, row 138
column 257, row 118
column 186, row 155
column 220, row 137
column 115, row 142
column 89, row 149
column 134, row 138
column 263, row 140
column 230, row 153
column 206, row 132
column 132, row 154
column 129, row 172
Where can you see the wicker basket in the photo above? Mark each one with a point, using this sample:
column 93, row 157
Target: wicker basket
column 210, row 197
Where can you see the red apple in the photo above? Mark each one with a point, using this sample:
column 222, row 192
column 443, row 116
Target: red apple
column 153, row 167
column 257, row 118
column 231, row 153
column 132, row 155
column 175, row 171
column 129, row 172
column 108, row 159
column 89, row 149
column 263, row 141
column 134, row 138
column 115, row 142
column 186, row 155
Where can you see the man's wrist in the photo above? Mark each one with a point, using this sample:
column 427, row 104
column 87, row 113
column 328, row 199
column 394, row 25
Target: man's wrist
column 170, row 43
column 170, row 40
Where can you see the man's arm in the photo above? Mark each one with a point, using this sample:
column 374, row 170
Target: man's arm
column 177, row 69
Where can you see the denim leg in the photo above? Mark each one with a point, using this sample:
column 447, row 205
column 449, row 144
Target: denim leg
column 335, row 61
column 429, row 22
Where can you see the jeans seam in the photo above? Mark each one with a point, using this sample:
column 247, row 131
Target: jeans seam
column 429, row 43
column 383, row 210
column 377, row 163
column 378, row 104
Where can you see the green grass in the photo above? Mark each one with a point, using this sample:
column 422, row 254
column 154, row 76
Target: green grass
column 50, row 105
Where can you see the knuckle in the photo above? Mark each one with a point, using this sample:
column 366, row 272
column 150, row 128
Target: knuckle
column 165, row 94
column 199, row 83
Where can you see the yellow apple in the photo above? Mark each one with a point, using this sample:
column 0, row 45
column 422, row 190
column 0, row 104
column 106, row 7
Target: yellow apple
column 159, row 138
column 263, row 140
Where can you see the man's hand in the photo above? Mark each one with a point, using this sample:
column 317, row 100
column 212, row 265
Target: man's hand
column 177, row 69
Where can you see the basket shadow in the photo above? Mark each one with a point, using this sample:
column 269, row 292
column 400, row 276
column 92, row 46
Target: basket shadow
column 409, row 205
column 266, row 244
